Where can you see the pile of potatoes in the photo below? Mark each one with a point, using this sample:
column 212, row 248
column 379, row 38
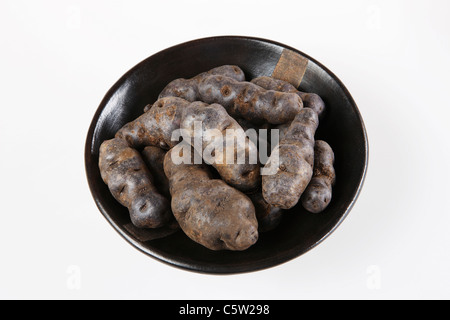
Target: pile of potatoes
column 218, row 205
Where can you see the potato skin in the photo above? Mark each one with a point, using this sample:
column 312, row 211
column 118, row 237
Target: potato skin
column 240, row 98
column 125, row 172
column 310, row 100
column 209, row 211
column 245, row 176
column 283, row 128
column 154, row 159
column 155, row 127
column 246, row 100
column 131, row 184
column 296, row 159
column 318, row 194
column 188, row 88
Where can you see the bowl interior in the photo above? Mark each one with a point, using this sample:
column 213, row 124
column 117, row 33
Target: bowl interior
column 299, row 230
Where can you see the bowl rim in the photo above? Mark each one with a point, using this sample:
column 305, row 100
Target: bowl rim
column 200, row 268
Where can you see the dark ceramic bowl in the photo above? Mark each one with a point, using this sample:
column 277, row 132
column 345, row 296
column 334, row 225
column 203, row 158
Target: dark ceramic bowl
column 299, row 230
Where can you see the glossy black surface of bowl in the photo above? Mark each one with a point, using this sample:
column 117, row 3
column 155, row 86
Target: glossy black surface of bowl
column 299, row 231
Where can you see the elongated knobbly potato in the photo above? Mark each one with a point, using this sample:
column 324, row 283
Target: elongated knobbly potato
column 154, row 159
column 317, row 195
column 155, row 127
column 188, row 88
column 240, row 98
column 292, row 162
column 209, row 211
column 310, row 100
column 223, row 136
column 249, row 101
column 131, row 184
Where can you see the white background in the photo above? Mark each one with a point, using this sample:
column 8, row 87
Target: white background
column 58, row 59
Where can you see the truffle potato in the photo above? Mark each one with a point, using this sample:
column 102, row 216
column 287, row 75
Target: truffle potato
column 317, row 195
column 310, row 100
column 241, row 99
column 131, row 184
column 249, row 101
column 188, row 88
column 291, row 162
column 209, row 211
column 156, row 125
column 232, row 150
column 155, row 128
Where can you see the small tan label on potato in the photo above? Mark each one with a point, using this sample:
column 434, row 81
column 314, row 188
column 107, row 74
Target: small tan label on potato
column 291, row 67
